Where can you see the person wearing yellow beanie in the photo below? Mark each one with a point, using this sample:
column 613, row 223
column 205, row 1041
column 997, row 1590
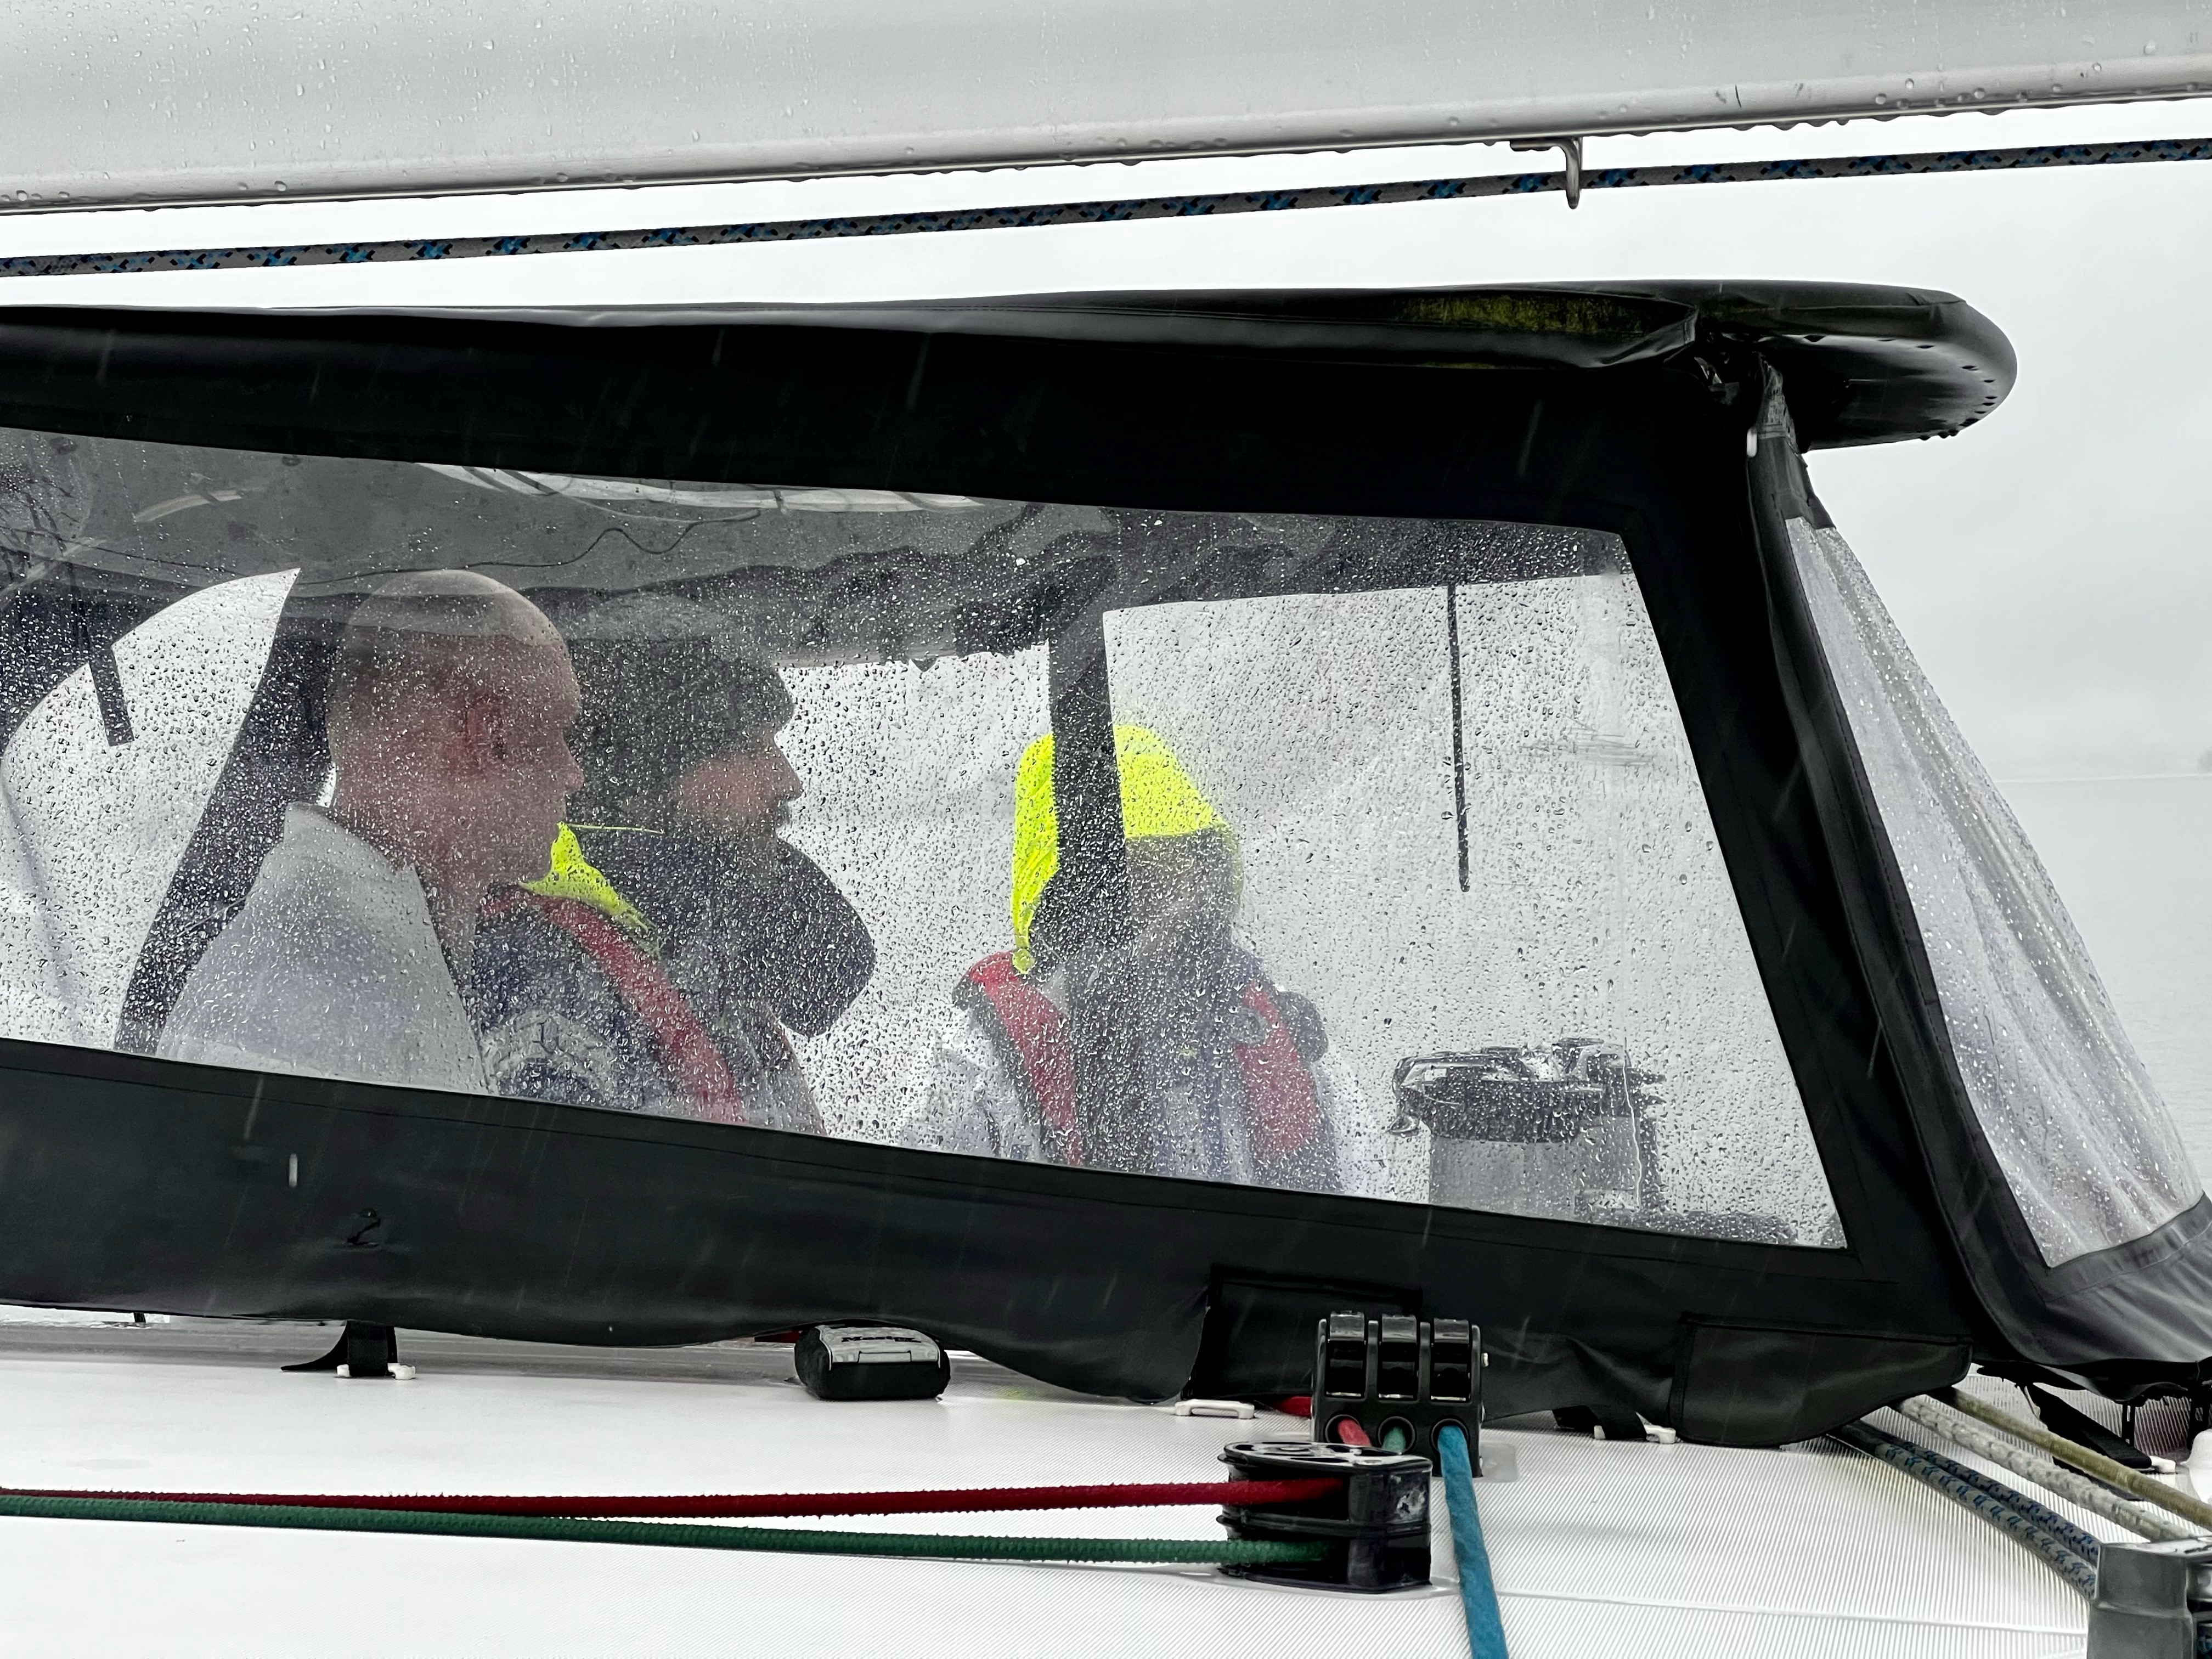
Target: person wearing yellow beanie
column 1159, row 802
column 1223, row 1061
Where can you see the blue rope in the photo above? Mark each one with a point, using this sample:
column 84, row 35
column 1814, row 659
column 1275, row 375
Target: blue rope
column 1217, row 205
column 1485, row 1631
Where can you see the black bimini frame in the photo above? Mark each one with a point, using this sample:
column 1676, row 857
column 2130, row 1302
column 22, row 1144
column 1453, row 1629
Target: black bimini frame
column 128, row 1182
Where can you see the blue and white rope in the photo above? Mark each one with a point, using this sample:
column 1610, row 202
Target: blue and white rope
column 1992, row 1500
column 1218, row 205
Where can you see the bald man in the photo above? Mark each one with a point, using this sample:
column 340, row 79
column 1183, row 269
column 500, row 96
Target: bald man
column 450, row 702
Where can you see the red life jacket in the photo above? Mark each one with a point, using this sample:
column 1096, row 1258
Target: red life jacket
column 1280, row 1102
column 687, row 1053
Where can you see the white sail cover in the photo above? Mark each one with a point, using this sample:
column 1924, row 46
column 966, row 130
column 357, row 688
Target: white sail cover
column 116, row 102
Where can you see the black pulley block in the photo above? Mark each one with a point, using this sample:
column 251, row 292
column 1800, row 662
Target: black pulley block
column 1374, row 1522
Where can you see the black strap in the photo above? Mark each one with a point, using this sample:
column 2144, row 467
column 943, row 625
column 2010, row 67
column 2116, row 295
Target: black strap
column 1617, row 1422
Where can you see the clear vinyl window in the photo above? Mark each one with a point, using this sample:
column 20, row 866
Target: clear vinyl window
column 2075, row 1124
column 1533, row 976
column 1352, row 855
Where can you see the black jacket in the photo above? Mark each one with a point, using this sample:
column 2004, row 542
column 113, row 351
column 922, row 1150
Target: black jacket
column 737, row 929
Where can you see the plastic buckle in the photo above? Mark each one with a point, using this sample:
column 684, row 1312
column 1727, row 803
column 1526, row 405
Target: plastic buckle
column 1399, row 1377
column 1376, row 1524
column 2151, row 1600
column 1236, row 1408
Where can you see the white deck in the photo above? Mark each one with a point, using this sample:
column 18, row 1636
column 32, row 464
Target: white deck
column 1659, row 1551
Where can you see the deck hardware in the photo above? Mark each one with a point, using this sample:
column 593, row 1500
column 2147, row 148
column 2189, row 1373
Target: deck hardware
column 1571, row 160
column 870, row 1361
column 363, row 1351
column 1556, row 1129
column 1399, row 1378
column 2151, row 1598
column 1376, row 1525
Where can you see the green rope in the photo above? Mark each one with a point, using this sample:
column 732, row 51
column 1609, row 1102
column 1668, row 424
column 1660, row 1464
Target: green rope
column 786, row 1540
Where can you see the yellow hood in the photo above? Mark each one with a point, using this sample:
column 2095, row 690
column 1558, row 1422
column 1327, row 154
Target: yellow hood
column 1159, row 800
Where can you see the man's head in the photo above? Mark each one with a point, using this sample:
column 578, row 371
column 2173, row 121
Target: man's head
column 743, row 794
column 681, row 720
column 450, row 703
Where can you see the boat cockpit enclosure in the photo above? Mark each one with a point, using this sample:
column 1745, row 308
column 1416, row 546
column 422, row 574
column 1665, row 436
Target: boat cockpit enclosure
column 1252, row 804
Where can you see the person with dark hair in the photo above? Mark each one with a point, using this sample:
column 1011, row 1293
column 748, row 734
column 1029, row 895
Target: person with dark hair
column 449, row 704
column 674, row 862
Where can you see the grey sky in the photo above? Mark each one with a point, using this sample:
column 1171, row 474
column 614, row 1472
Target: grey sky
column 2049, row 565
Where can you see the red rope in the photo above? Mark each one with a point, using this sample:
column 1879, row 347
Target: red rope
column 768, row 1504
